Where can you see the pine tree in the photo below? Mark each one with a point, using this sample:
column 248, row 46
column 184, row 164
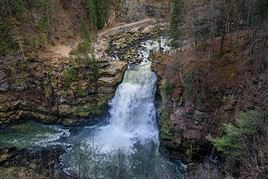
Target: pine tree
column 97, row 12
column 175, row 23
column 262, row 9
column 91, row 11
column 101, row 7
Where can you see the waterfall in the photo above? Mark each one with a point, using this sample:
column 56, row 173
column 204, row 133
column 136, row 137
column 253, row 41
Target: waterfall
column 124, row 147
column 132, row 113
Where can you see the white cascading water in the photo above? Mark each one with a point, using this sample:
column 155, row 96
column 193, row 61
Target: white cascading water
column 132, row 113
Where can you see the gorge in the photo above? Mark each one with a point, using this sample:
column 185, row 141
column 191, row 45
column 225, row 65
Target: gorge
column 133, row 89
column 124, row 145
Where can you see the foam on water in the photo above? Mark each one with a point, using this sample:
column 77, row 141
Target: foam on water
column 32, row 134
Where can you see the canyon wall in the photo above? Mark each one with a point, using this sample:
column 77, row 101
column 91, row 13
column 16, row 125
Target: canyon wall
column 199, row 95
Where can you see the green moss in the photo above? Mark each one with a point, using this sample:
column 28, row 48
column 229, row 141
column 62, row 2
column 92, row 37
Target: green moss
column 175, row 32
column 169, row 88
column 23, row 65
column 87, row 110
column 83, row 47
column 188, row 83
column 83, row 111
column 69, row 76
column 94, row 66
column 42, row 24
column 165, row 125
column 226, row 56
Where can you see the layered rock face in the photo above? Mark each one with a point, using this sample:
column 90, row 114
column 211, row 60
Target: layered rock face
column 198, row 96
column 134, row 10
column 125, row 46
column 57, row 90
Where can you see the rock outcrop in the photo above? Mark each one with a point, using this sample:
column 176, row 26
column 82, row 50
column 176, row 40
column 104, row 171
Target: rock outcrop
column 48, row 84
column 125, row 46
column 65, row 91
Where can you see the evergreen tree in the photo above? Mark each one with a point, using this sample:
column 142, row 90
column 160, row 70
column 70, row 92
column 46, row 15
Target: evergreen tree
column 91, row 11
column 101, row 6
column 175, row 23
column 262, row 9
column 97, row 12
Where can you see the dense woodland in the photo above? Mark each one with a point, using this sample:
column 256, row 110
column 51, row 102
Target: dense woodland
column 204, row 20
column 19, row 18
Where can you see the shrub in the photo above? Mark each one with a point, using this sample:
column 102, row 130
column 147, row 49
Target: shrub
column 244, row 144
column 94, row 66
column 169, row 88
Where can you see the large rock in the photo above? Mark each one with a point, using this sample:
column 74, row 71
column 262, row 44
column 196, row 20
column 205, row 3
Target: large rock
column 124, row 46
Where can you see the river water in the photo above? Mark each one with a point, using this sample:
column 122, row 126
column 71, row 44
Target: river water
column 125, row 145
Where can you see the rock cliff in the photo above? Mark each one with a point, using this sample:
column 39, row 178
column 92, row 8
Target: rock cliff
column 66, row 90
column 199, row 95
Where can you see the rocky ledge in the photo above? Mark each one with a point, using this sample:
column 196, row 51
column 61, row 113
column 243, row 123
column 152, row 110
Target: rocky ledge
column 124, row 46
column 57, row 90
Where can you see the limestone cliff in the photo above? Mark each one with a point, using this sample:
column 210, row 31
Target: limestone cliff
column 199, row 95
column 57, row 90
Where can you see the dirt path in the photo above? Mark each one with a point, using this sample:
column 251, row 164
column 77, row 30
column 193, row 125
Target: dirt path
column 126, row 27
column 103, row 37
column 60, row 51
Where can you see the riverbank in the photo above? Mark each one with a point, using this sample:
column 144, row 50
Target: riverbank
column 39, row 162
